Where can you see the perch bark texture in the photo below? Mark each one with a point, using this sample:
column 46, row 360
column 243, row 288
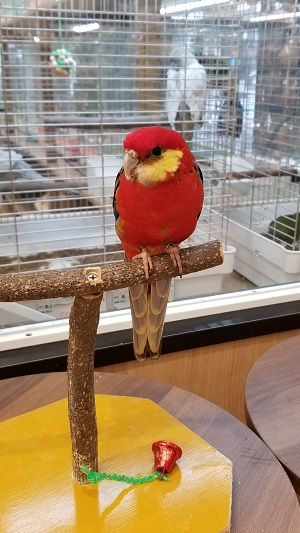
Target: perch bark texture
column 84, row 320
column 96, row 280
column 42, row 185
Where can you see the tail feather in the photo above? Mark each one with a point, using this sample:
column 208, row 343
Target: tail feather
column 139, row 299
column 157, row 303
column 138, row 295
column 140, row 343
column 148, row 310
column 157, row 306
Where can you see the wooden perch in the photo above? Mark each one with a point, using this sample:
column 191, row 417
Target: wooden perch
column 263, row 173
column 45, row 184
column 95, row 280
column 88, row 285
column 84, row 319
column 113, row 122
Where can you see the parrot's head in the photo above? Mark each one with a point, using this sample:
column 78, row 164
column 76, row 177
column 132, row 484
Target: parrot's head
column 153, row 155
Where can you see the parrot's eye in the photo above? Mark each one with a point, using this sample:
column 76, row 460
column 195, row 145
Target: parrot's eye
column 157, row 151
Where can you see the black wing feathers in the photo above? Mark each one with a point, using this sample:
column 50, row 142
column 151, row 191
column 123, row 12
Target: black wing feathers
column 198, row 170
column 117, row 183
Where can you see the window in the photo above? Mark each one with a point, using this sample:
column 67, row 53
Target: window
column 77, row 76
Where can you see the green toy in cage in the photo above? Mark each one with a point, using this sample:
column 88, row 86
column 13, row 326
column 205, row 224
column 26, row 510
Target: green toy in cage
column 285, row 230
column 61, row 60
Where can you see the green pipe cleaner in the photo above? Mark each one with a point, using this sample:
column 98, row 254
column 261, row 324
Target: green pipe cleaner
column 95, row 477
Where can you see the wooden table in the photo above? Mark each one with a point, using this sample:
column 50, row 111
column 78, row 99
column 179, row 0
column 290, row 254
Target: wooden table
column 273, row 403
column 263, row 497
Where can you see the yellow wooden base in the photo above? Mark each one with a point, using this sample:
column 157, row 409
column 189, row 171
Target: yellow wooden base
column 37, row 494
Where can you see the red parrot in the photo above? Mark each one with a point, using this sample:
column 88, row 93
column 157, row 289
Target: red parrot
column 157, row 200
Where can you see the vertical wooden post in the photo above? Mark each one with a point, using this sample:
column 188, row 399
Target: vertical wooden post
column 84, row 319
column 148, row 60
column 10, row 126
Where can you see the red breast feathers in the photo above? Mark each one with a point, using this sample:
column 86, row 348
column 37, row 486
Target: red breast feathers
column 159, row 195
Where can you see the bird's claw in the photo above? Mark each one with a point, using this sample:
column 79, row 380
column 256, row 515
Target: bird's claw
column 147, row 261
column 173, row 251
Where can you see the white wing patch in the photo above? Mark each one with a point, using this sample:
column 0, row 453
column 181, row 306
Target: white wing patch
column 186, row 86
column 193, row 86
column 173, row 96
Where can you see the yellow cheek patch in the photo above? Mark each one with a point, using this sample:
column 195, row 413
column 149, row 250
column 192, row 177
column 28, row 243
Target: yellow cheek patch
column 158, row 169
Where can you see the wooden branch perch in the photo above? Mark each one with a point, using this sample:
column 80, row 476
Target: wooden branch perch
column 95, row 280
column 45, row 184
column 84, row 319
column 88, row 285
column 263, row 173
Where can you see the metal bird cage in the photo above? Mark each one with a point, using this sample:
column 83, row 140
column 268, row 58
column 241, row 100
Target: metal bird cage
column 78, row 75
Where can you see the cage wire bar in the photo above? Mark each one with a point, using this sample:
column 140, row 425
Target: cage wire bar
column 62, row 135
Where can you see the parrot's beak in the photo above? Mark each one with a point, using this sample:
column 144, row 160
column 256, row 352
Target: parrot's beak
column 131, row 160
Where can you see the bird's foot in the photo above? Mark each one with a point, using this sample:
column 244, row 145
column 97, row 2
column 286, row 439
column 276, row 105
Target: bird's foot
column 147, row 261
column 173, row 251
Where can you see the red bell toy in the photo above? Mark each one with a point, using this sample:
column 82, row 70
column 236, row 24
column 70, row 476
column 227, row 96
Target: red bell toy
column 166, row 454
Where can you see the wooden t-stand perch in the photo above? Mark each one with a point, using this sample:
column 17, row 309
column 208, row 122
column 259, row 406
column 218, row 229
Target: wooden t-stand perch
column 88, row 286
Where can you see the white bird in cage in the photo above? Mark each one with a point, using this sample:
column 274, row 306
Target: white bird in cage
column 173, row 96
column 185, row 92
